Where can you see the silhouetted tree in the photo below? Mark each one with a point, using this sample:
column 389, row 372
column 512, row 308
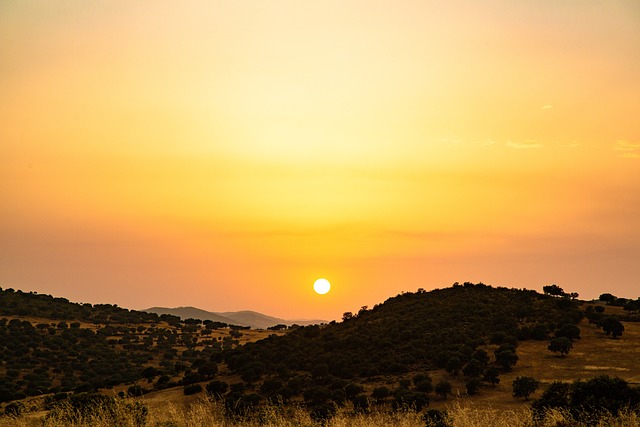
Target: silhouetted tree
column 524, row 387
column 611, row 326
column 568, row 330
column 554, row 290
column 562, row 345
column 607, row 297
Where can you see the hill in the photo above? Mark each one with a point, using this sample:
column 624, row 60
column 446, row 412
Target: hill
column 51, row 345
column 248, row 318
column 473, row 337
column 193, row 313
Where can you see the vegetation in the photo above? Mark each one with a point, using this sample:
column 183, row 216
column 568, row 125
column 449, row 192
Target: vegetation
column 375, row 360
column 586, row 399
column 206, row 413
column 562, row 345
column 54, row 346
column 525, row 387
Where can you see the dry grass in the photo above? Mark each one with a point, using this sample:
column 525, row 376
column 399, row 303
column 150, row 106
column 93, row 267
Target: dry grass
column 203, row 413
column 594, row 354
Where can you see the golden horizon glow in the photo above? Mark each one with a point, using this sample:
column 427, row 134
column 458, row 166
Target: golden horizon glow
column 200, row 153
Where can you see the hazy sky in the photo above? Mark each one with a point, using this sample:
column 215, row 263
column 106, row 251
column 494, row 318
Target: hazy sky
column 225, row 154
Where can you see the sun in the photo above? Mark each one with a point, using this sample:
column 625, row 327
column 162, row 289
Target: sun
column 321, row 286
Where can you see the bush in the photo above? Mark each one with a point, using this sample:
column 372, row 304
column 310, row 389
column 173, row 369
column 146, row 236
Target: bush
column 406, row 400
column 217, row 388
column 135, row 390
column 436, row 418
column 584, row 399
column 381, row 393
column 14, row 409
column 192, row 389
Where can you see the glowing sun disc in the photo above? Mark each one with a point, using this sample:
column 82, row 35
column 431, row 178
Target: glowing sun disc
column 322, row 286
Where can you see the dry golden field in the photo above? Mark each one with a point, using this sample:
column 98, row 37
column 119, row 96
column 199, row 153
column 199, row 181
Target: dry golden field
column 203, row 413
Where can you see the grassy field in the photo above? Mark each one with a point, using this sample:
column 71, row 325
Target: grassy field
column 594, row 354
column 203, row 413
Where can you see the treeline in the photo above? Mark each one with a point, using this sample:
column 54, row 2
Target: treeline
column 31, row 304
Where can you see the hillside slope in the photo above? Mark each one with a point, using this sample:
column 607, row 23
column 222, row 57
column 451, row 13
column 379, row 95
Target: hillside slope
column 422, row 330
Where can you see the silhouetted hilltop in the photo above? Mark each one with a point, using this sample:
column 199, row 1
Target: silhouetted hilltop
column 412, row 331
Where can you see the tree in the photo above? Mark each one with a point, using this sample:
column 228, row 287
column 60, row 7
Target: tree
column 612, row 326
column 606, row 297
column 556, row 395
column 506, row 358
column 524, row 387
column 554, row 290
column 347, row 316
column 481, row 356
column 568, row 330
column 562, row 345
column 632, row 306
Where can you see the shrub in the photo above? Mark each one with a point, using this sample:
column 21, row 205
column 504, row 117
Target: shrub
column 192, row 389
column 436, row 418
column 14, row 409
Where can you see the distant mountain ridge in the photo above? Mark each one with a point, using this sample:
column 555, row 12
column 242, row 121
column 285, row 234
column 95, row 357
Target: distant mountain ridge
column 241, row 318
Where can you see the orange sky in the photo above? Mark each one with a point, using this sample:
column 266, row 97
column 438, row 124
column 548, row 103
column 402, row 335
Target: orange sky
column 225, row 154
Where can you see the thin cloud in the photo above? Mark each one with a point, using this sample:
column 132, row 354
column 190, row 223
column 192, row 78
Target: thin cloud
column 568, row 145
column 630, row 155
column 628, row 150
column 546, row 107
column 524, row 144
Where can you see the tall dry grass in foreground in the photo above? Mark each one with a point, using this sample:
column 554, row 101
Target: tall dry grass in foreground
column 211, row 414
